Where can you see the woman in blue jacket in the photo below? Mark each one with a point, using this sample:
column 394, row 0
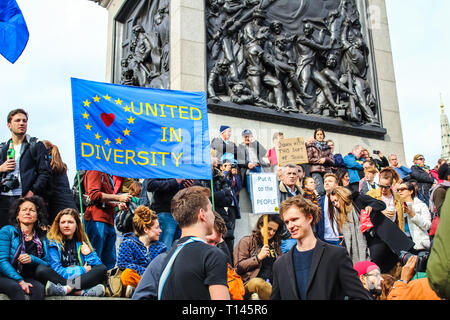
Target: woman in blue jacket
column 76, row 268
column 23, row 250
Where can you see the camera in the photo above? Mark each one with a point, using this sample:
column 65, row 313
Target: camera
column 9, row 182
column 376, row 152
column 422, row 259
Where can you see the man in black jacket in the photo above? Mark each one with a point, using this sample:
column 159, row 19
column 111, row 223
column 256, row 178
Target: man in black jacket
column 25, row 171
column 313, row 269
column 163, row 192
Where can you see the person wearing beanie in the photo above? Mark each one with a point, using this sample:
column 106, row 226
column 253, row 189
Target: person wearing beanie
column 223, row 145
column 370, row 275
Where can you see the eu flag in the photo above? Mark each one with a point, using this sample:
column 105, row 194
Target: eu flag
column 13, row 30
column 137, row 132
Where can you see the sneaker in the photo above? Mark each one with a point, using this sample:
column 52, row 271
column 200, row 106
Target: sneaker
column 97, row 291
column 129, row 291
column 52, row 289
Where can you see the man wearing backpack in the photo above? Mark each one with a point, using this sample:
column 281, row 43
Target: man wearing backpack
column 99, row 215
column 24, row 165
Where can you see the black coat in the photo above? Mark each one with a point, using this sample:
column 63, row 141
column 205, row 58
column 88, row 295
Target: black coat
column 35, row 175
column 331, row 276
column 60, row 196
column 386, row 240
column 424, row 180
column 163, row 192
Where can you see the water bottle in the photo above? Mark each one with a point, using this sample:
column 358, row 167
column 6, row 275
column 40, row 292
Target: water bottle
column 11, row 154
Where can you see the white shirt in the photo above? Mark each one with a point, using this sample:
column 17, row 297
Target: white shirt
column 329, row 228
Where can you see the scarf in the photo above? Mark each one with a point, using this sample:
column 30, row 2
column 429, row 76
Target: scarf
column 311, row 195
column 320, row 145
column 424, row 167
column 36, row 241
column 354, row 240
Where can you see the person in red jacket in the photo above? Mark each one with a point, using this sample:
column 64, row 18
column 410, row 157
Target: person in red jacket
column 99, row 217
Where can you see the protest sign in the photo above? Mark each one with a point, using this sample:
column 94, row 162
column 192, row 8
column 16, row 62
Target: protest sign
column 137, row 132
column 292, row 150
column 264, row 193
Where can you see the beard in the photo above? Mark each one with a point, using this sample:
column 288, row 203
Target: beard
column 373, row 290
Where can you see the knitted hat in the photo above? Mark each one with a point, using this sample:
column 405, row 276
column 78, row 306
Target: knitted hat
column 364, row 267
column 223, row 128
column 247, row 132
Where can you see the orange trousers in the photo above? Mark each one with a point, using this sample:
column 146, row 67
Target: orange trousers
column 130, row 277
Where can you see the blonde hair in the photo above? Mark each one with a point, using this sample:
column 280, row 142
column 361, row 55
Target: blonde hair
column 143, row 218
column 344, row 197
column 370, row 170
column 55, row 231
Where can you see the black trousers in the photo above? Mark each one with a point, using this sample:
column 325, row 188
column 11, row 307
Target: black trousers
column 88, row 280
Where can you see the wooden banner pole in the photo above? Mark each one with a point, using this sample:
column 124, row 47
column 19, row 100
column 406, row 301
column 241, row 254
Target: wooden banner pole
column 266, row 229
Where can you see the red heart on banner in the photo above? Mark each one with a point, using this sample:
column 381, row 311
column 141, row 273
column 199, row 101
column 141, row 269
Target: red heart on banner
column 107, row 119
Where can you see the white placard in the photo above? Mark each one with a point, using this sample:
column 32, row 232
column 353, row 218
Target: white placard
column 264, row 189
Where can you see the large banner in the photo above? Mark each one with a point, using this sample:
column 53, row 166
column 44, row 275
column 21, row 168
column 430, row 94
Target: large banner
column 136, row 132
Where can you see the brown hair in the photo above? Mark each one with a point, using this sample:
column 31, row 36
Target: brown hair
column 391, row 174
column 12, row 113
column 143, row 218
column 306, row 206
column 219, row 224
column 186, row 204
column 79, row 235
column 276, row 240
column 135, row 188
column 58, row 166
column 329, row 174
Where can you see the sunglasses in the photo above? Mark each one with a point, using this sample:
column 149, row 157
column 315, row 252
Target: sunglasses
column 402, row 189
column 420, row 158
column 385, row 187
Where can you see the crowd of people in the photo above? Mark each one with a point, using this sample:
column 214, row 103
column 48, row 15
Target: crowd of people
column 350, row 226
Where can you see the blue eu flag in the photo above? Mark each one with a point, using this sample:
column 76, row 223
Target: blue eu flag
column 13, row 30
column 136, row 132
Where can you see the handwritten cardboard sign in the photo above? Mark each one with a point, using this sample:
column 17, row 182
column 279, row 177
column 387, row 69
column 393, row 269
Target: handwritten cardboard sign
column 292, row 150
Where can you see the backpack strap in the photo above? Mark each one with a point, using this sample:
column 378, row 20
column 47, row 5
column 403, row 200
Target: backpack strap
column 168, row 267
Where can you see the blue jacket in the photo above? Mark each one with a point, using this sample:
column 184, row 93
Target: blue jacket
column 134, row 255
column 10, row 251
column 353, row 167
column 403, row 171
column 54, row 257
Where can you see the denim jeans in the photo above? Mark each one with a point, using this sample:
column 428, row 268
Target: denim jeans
column 103, row 238
column 169, row 227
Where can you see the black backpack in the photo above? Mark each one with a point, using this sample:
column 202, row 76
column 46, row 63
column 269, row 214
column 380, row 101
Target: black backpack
column 76, row 191
column 124, row 218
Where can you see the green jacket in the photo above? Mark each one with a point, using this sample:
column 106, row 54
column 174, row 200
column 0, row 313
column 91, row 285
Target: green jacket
column 438, row 266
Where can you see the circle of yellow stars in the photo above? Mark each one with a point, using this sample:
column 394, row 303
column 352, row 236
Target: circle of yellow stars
column 118, row 101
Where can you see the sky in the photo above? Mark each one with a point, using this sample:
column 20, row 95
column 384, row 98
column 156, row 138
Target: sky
column 68, row 39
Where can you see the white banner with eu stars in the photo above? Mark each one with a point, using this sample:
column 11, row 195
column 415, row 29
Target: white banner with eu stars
column 136, row 132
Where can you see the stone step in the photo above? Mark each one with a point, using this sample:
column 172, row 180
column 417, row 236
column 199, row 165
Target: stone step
column 5, row 297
